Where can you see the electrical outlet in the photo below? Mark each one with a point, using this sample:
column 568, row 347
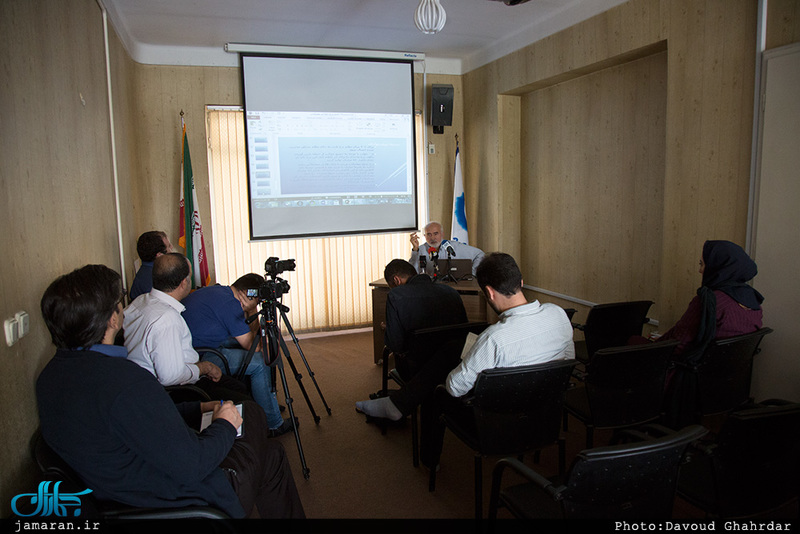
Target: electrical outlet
column 12, row 332
column 431, row 149
column 23, row 323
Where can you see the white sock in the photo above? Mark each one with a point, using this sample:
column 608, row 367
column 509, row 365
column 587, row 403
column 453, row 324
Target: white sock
column 380, row 407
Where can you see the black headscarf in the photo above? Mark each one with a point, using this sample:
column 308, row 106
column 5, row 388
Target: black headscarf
column 727, row 269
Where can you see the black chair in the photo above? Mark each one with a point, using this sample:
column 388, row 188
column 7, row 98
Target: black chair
column 610, row 325
column 632, row 480
column 53, row 468
column 515, row 410
column 423, row 338
column 719, row 381
column 623, row 387
column 751, row 467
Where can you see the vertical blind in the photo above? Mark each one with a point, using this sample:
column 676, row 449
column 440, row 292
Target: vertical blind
column 329, row 289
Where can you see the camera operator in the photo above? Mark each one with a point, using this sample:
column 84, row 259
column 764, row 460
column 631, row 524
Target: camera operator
column 216, row 316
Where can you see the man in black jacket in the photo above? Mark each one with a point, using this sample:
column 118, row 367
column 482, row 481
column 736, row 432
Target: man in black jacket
column 116, row 426
column 415, row 302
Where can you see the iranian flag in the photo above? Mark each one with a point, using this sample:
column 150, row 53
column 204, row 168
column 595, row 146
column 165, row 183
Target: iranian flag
column 191, row 229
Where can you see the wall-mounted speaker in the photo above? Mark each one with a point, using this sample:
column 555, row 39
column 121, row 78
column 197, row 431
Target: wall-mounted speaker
column 441, row 107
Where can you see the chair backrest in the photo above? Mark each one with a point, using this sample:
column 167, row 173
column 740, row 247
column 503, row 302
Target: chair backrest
column 427, row 341
column 53, row 467
column 724, row 372
column 518, row 409
column 612, row 324
column 756, row 460
column 625, row 385
column 631, row 480
column 438, row 335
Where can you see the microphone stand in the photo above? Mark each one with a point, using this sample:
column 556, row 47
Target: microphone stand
column 448, row 277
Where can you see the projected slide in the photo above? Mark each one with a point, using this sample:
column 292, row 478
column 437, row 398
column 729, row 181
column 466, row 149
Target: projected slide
column 313, row 166
column 330, row 146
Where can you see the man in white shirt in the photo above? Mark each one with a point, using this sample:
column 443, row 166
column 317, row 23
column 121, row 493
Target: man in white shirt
column 158, row 339
column 527, row 333
column 433, row 240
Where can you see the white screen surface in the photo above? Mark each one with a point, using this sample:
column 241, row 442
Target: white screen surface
column 330, row 146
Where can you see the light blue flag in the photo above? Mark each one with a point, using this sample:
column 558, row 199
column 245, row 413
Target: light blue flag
column 459, row 226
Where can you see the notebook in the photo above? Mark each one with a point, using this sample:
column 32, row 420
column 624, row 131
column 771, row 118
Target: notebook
column 206, row 420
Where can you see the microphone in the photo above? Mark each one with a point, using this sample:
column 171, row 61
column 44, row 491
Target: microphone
column 447, row 247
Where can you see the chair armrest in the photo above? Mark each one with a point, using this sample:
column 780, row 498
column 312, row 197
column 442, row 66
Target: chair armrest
column 179, row 392
column 218, row 354
column 532, row 476
column 441, row 392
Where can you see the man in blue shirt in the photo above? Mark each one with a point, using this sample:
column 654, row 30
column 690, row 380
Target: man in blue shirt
column 149, row 246
column 216, row 318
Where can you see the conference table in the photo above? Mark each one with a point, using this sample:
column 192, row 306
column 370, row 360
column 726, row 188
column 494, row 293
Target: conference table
column 471, row 295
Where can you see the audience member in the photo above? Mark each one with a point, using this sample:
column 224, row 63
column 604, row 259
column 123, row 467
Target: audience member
column 434, row 236
column 216, row 316
column 149, row 246
column 157, row 338
column 527, row 333
column 415, row 302
column 115, row 425
column 725, row 306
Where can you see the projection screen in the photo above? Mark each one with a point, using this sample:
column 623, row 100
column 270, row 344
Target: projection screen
column 330, row 145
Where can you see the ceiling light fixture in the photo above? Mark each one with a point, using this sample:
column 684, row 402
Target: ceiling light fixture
column 430, row 16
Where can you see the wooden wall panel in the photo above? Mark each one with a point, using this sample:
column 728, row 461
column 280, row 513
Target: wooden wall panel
column 56, row 191
column 704, row 149
column 593, row 172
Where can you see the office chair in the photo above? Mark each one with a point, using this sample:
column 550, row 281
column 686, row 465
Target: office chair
column 622, row 387
column 632, row 480
column 52, row 467
column 610, row 325
column 421, row 339
column 511, row 411
column 717, row 383
column 751, row 467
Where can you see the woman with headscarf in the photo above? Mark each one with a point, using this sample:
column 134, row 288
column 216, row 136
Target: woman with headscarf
column 725, row 305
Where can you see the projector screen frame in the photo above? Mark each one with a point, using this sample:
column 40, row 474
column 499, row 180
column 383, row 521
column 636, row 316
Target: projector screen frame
column 410, row 222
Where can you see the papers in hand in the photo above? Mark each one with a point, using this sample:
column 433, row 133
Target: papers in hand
column 207, row 421
column 471, row 338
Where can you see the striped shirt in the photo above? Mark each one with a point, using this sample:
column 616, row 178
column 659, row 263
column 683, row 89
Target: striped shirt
column 525, row 335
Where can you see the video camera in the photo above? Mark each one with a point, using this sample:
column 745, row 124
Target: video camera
column 272, row 290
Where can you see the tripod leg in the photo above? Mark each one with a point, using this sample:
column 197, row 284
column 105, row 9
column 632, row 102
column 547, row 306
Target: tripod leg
column 279, row 366
column 303, row 357
column 298, row 377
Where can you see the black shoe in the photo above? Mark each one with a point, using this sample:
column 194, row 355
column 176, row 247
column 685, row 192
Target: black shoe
column 285, row 427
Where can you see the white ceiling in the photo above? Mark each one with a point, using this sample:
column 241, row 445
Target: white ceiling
column 194, row 32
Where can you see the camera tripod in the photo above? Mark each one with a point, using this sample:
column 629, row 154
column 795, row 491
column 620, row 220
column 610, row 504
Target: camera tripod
column 273, row 347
